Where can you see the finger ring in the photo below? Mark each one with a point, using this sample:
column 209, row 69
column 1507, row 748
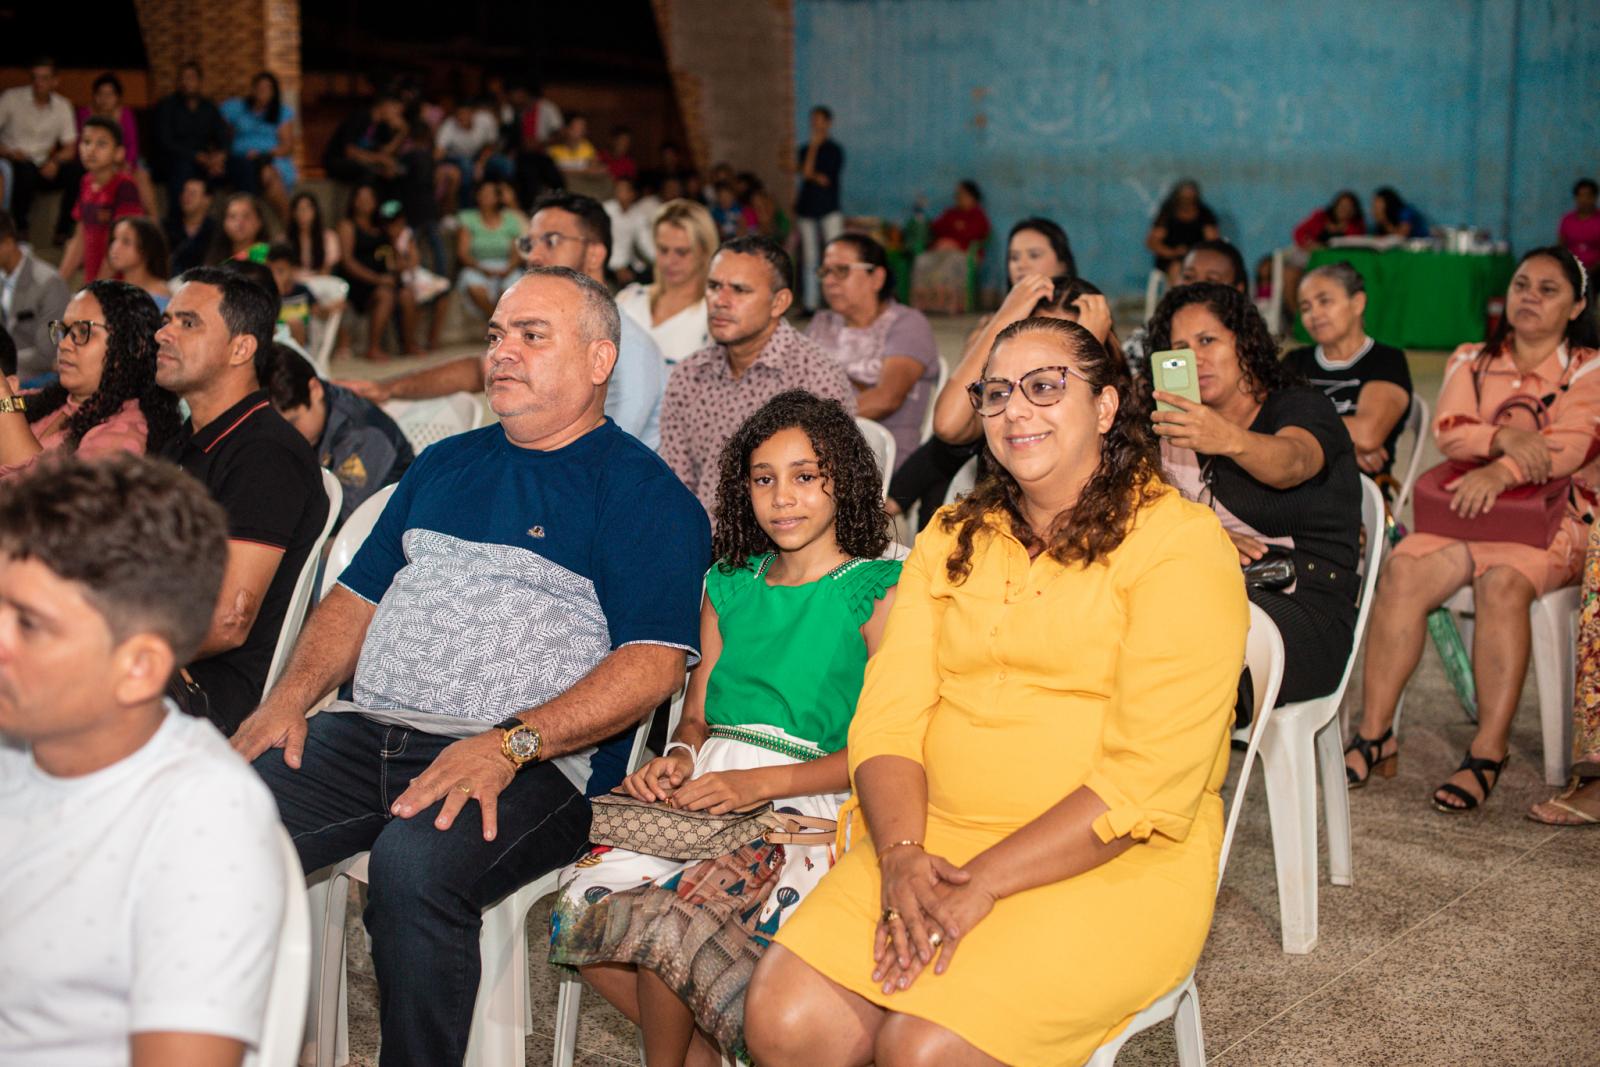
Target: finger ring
column 936, row 939
column 890, row 915
column 467, row 789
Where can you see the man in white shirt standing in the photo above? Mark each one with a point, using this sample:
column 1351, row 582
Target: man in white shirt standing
column 38, row 137
column 143, row 885
column 633, row 246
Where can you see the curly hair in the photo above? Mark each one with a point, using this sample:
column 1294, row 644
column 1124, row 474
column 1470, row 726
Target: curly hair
column 1257, row 351
column 860, row 524
column 1127, row 477
column 129, row 371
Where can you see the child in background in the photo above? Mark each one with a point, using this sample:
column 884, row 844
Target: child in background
column 105, row 195
column 793, row 608
column 297, row 303
column 353, row 437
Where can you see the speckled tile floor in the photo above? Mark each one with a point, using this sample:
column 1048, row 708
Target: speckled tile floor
column 1465, row 940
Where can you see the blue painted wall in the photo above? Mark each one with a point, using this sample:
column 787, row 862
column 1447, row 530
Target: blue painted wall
column 1482, row 112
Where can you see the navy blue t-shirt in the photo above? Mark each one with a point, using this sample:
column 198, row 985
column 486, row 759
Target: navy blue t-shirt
column 503, row 575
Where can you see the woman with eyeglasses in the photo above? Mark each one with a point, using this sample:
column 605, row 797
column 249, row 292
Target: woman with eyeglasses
column 673, row 307
column 1271, row 456
column 1043, row 637
column 887, row 348
column 490, row 231
column 106, row 399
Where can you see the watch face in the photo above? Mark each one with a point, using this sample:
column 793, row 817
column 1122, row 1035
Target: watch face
column 524, row 744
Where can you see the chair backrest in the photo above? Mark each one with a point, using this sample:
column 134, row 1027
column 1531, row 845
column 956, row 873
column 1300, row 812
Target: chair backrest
column 351, row 535
column 283, row 1026
column 1264, row 658
column 1154, row 287
column 881, row 442
column 1372, row 521
column 330, row 293
column 426, row 421
column 1418, row 419
column 305, row 583
column 933, row 399
column 962, row 483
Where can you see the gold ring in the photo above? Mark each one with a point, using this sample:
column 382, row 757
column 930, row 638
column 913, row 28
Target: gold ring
column 890, row 915
column 467, row 789
column 936, row 939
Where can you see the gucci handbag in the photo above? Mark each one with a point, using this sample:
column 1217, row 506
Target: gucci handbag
column 1523, row 514
column 655, row 829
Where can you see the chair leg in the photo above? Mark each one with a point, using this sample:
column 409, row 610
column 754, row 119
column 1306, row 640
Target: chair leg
column 1186, row 1028
column 330, row 1022
column 1291, row 773
column 497, row 1038
column 1554, row 649
column 1336, row 801
column 569, row 999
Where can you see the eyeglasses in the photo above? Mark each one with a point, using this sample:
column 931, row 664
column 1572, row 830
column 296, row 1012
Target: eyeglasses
column 551, row 241
column 1041, row 387
column 841, row 271
column 79, row 331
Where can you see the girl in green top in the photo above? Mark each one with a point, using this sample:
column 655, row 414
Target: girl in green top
column 793, row 608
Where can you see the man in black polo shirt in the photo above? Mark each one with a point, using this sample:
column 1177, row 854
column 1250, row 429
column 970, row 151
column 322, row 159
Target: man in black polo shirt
column 256, row 466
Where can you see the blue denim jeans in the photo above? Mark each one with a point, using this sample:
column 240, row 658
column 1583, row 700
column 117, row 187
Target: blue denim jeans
column 428, row 887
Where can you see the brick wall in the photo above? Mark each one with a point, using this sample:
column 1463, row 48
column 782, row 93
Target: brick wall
column 733, row 71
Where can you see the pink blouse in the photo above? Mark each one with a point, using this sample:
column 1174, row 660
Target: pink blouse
column 124, row 431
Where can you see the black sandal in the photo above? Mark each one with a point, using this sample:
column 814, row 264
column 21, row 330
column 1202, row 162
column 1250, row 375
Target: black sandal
column 1368, row 748
column 1478, row 767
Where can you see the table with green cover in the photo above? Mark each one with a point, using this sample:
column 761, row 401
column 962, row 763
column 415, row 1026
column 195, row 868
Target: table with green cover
column 1433, row 300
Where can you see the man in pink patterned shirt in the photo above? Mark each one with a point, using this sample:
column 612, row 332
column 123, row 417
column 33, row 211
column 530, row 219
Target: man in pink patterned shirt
column 757, row 355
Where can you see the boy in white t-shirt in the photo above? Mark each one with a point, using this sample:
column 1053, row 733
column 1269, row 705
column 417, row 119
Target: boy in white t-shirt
column 142, row 884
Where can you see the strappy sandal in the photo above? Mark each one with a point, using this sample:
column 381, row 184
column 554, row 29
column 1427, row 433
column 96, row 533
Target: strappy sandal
column 1478, row 767
column 1368, row 748
column 1577, row 816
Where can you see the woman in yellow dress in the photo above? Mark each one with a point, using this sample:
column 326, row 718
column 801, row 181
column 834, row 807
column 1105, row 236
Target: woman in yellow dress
column 1037, row 751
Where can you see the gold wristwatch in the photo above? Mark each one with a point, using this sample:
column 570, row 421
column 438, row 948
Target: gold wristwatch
column 13, row 403
column 521, row 743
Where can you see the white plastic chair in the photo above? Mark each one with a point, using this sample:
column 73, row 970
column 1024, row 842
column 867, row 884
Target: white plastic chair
column 933, row 398
column 1264, row 657
column 1418, row 420
column 1554, row 621
column 351, row 535
column 500, row 1013
column 881, row 442
column 291, row 972
column 329, row 292
column 1154, row 288
column 962, row 483
column 426, row 421
column 305, row 584
column 1302, row 738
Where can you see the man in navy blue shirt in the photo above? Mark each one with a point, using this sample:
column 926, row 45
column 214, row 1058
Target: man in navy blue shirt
column 531, row 592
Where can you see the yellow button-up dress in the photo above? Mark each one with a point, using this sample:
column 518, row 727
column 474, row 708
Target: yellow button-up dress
column 1014, row 688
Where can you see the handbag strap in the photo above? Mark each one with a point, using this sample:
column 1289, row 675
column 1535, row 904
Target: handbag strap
column 785, row 829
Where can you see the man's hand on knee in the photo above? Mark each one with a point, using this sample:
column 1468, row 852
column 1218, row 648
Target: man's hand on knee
column 473, row 768
column 272, row 727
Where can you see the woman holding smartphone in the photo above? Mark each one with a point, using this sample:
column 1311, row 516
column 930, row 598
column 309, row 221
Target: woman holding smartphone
column 1271, row 457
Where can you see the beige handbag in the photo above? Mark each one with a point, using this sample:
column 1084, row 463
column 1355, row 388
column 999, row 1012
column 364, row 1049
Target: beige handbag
column 654, row 829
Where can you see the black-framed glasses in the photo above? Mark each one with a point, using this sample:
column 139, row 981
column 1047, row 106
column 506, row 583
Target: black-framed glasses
column 842, row 271
column 1041, row 387
column 80, row 331
column 551, row 241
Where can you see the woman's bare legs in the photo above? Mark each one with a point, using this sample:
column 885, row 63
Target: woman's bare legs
column 1408, row 589
column 795, row 1016
column 907, row 1041
column 621, row 984
column 378, row 325
column 1501, row 638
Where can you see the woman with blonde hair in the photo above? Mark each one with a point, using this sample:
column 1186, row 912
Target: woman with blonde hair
column 673, row 307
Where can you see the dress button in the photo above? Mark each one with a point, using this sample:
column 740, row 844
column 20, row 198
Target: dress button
column 994, row 631
column 1001, row 676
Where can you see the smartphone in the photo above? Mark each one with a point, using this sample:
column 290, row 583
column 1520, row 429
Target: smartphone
column 1173, row 372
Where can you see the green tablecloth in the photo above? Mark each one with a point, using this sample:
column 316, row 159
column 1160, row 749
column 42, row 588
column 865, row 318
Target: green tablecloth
column 1422, row 299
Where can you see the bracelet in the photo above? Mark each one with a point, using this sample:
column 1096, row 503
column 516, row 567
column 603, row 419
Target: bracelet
column 694, row 754
column 897, row 844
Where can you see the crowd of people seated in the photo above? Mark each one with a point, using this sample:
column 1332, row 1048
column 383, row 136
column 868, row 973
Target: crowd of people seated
column 496, row 643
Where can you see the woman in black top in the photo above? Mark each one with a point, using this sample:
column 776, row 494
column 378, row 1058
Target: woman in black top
column 1183, row 221
column 1369, row 383
column 1271, row 457
column 370, row 266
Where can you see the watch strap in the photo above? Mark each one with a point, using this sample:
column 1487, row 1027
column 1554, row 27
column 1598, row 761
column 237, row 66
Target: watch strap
column 13, row 403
